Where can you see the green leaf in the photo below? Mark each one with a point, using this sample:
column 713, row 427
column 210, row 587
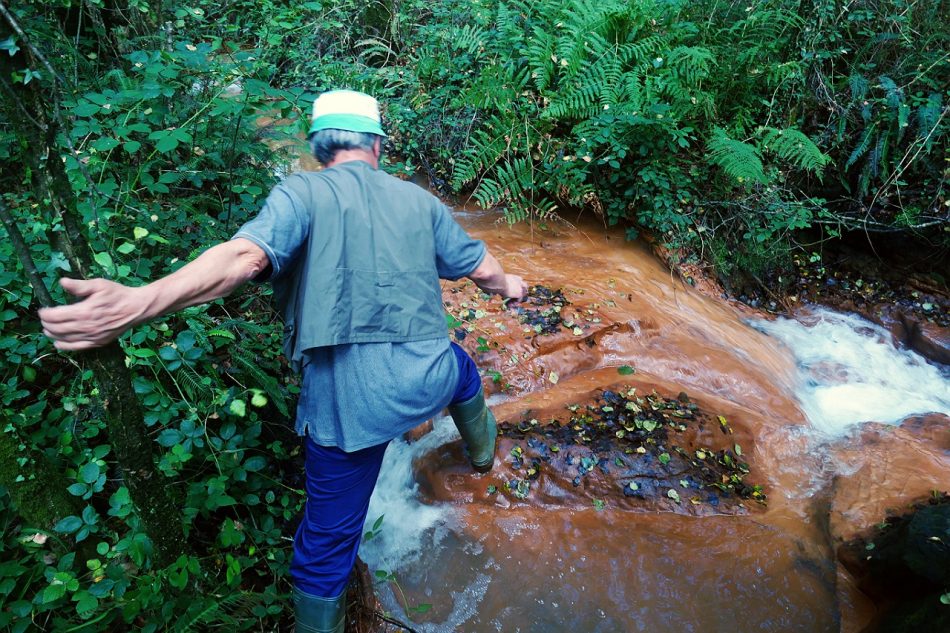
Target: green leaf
column 672, row 494
column 665, row 458
column 78, row 489
column 166, row 144
column 104, row 260
column 253, row 464
column 139, row 233
column 85, row 109
column 238, row 408
column 68, row 525
column 9, row 45
column 945, row 598
column 258, row 399
column 89, row 473
column 625, row 370
column 53, row 592
column 132, row 146
column 86, row 604
column 125, row 248
column 104, row 144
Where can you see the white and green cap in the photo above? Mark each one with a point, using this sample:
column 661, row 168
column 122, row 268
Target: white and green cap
column 346, row 110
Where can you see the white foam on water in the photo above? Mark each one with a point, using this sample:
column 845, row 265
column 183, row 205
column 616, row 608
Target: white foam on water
column 409, row 527
column 850, row 371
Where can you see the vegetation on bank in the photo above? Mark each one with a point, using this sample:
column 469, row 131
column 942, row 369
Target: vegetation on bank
column 152, row 485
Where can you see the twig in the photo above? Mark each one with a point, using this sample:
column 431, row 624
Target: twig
column 385, row 618
column 40, row 291
column 38, row 55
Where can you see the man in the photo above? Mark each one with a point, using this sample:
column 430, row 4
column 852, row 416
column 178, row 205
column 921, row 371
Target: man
column 355, row 257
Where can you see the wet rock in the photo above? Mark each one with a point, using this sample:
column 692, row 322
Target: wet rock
column 904, row 565
column 926, row 338
column 883, row 470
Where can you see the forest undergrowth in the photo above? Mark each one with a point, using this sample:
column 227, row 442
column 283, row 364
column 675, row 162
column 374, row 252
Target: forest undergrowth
column 154, row 485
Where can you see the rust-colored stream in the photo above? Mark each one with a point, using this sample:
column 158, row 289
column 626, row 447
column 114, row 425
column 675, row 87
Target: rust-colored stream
column 586, row 556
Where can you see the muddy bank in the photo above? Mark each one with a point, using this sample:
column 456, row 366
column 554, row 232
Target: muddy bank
column 609, row 320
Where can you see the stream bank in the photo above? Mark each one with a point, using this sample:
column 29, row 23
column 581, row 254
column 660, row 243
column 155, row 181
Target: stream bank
column 609, row 327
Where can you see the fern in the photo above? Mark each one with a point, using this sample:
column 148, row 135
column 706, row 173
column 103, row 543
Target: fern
column 227, row 612
column 861, row 148
column 251, row 365
column 487, row 147
column 859, row 86
column 540, row 51
column 793, row 146
column 928, row 117
column 738, row 159
column 469, row 38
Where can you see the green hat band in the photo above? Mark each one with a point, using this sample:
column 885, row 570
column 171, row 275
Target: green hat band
column 349, row 122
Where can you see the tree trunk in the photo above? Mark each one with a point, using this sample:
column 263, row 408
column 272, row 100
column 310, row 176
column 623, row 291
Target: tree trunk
column 38, row 491
column 132, row 447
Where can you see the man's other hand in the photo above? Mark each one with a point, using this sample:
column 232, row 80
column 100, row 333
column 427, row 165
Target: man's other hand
column 515, row 287
column 105, row 311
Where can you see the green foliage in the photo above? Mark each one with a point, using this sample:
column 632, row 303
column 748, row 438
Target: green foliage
column 164, row 155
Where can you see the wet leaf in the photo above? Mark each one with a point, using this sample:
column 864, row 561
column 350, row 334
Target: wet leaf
column 738, row 449
column 684, row 483
column 625, row 370
column 492, row 489
column 553, row 377
column 664, row 458
column 634, row 485
column 599, row 504
column 578, row 332
column 700, row 455
column 672, row 494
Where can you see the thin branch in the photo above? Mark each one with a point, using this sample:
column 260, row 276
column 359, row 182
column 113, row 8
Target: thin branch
column 19, row 31
column 40, row 291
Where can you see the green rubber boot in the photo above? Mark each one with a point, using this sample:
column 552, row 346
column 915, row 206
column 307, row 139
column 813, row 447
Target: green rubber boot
column 319, row 615
column 476, row 425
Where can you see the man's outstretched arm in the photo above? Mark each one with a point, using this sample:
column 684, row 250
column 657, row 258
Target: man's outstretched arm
column 492, row 278
column 107, row 309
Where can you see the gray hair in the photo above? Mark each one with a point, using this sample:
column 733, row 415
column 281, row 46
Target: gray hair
column 324, row 144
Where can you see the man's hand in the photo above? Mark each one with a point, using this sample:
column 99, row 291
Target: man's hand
column 515, row 287
column 492, row 278
column 106, row 310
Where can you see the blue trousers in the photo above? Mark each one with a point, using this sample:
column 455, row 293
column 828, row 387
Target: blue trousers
column 339, row 486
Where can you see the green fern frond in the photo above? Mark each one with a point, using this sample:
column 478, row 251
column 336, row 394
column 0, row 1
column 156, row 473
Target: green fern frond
column 859, row 86
column 512, row 180
column 793, row 146
column 928, row 117
column 218, row 612
column 579, row 102
column 487, row 147
column 251, row 366
column 894, row 96
column 861, row 148
column 691, row 63
column 540, row 49
column 738, row 159
column 641, row 51
column 469, row 38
